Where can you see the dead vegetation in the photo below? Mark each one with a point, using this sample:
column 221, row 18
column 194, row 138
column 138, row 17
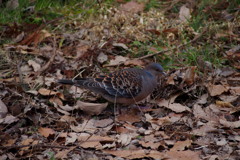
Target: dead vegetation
column 192, row 114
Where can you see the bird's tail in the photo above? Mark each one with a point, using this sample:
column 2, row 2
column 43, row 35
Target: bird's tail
column 78, row 82
column 66, row 81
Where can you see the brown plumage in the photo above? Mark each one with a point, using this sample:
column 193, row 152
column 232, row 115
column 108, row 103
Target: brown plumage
column 126, row 86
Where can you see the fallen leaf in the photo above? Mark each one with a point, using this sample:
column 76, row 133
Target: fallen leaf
column 46, row 132
column 71, row 138
column 9, row 119
column 121, row 45
column 131, row 116
column 176, row 107
column 150, row 144
column 235, row 124
column 135, row 62
column 183, row 155
column 189, row 77
column 68, row 119
column 86, row 126
column 124, row 139
column 35, row 65
column 56, row 100
column 63, row 154
column 118, row 60
column 35, row 37
column 26, row 142
column 132, row 7
column 221, row 142
column 224, row 104
column 181, row 145
column 93, row 141
column 215, row 90
column 203, row 130
column 3, row 110
column 47, row 92
column 137, row 154
column 203, row 99
column 102, row 57
column 91, row 108
column 235, row 91
column 103, row 123
column 199, row 112
column 81, row 50
column 184, row 14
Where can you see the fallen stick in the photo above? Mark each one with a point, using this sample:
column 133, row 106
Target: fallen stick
column 163, row 51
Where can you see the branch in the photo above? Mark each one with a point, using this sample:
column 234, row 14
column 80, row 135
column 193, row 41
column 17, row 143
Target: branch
column 166, row 50
column 49, row 63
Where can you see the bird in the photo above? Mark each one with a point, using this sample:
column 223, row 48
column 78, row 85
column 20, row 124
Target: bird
column 126, row 86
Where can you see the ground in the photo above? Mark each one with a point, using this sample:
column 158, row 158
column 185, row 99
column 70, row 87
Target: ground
column 194, row 113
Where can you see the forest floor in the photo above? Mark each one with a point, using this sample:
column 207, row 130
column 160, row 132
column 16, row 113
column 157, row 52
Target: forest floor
column 194, row 113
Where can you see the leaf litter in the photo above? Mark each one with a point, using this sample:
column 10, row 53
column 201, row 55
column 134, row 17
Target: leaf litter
column 191, row 115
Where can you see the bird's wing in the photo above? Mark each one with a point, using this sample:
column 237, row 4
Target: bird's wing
column 125, row 83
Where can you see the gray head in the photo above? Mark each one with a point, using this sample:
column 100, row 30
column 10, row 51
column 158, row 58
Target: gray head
column 155, row 68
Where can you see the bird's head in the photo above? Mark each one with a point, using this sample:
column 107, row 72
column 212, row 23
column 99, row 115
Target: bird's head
column 155, row 68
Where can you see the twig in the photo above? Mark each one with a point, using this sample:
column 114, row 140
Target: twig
column 166, row 50
column 49, row 63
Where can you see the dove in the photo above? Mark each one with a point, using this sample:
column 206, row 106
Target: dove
column 126, row 86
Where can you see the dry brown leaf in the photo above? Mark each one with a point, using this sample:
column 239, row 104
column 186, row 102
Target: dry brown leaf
column 10, row 142
column 184, row 14
column 203, row 99
column 35, row 37
column 120, row 45
column 3, row 110
column 56, row 100
column 63, row 154
column 102, row 57
column 46, row 132
column 8, row 119
column 81, row 50
column 35, row 65
column 124, row 139
column 181, row 145
column 199, row 112
column 170, row 79
column 132, row 7
column 86, row 126
column 183, row 155
column 118, row 60
column 176, row 107
column 129, row 117
column 47, row 92
column 235, row 91
column 215, row 90
column 71, row 138
column 224, row 104
column 137, row 154
column 91, row 108
column 94, row 141
column 103, row 123
column 150, row 144
column 203, row 130
column 135, row 62
column 68, row 119
column 235, row 124
column 189, row 77
column 27, row 142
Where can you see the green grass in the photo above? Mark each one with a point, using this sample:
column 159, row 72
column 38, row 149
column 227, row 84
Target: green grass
column 46, row 10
